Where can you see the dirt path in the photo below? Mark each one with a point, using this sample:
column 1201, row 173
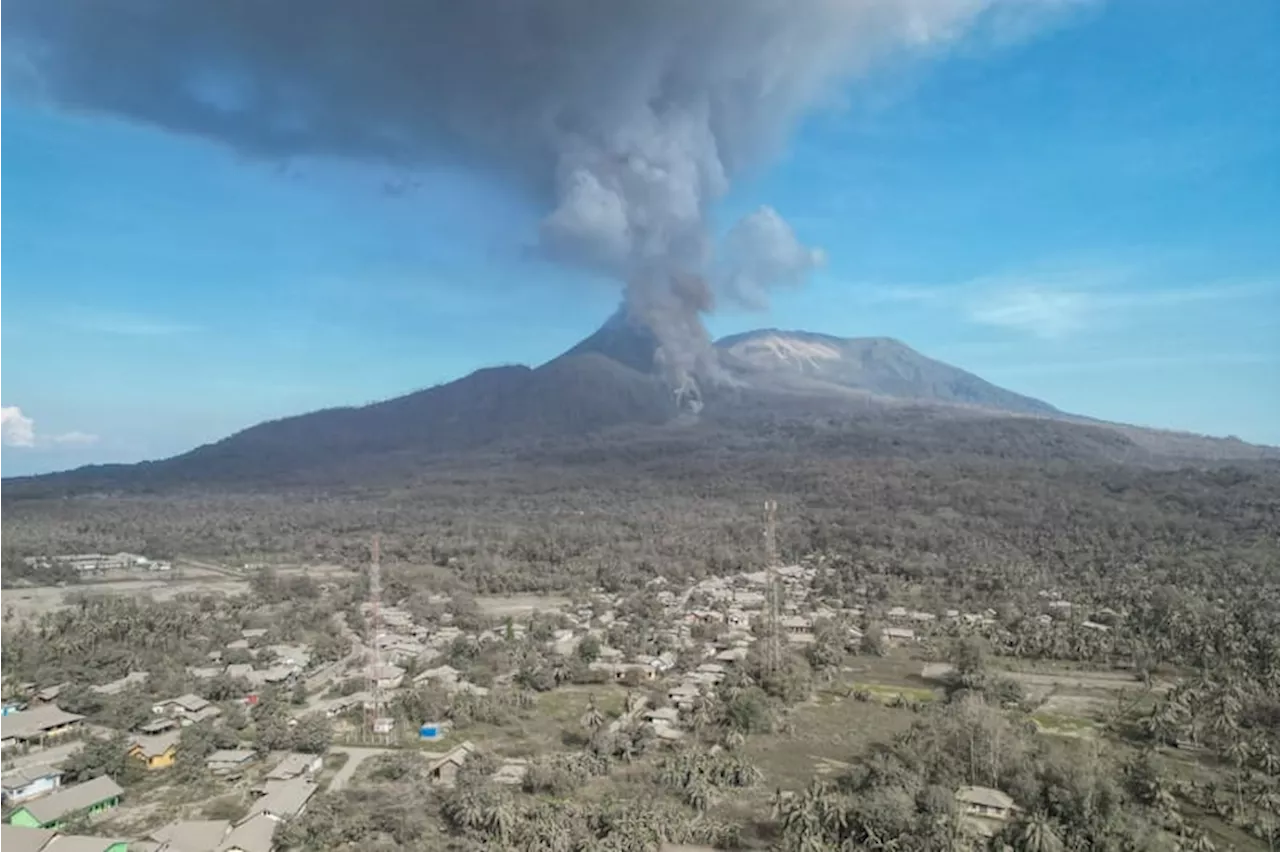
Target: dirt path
column 355, row 756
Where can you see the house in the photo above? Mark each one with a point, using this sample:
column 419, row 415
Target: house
column 899, row 634
column 294, row 765
column 281, row 673
column 85, row 843
column 17, row 838
column 50, row 694
column 662, row 716
column 158, row 726
column 191, row 835
column 623, row 671
column 226, row 761
column 389, row 676
column 91, row 797
column 444, row 770
column 683, row 694
column 732, row 655
column 188, row 709
column 285, row 800
column 291, row 655
column 158, row 752
column 985, row 802
column 26, row 783
column 445, row 674
column 37, row 726
column 255, row 834
column 253, row 633
column 118, row 686
column 511, row 772
column 710, row 673
column 796, row 624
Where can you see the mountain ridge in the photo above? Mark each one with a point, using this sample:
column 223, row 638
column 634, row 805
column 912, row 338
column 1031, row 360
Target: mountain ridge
column 771, row 384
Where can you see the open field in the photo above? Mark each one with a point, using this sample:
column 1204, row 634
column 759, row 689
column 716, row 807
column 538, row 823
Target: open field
column 1082, row 681
column 824, row 732
column 500, row 606
column 36, row 601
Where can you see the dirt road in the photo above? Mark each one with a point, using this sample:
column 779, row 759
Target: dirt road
column 355, row 756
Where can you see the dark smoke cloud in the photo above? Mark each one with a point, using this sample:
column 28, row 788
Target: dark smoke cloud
column 625, row 119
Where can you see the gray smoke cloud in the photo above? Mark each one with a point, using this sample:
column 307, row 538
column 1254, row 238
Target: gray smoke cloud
column 625, row 120
column 761, row 252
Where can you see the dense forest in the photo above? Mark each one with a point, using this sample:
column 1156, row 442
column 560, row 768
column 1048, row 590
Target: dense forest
column 982, row 504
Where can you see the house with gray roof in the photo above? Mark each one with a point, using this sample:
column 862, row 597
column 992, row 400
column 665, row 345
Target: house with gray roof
column 91, row 797
column 295, row 764
column 24, row 783
column 37, row 726
column 17, row 838
column 85, row 843
column 191, row 835
column 229, row 760
column 255, row 834
column 285, row 800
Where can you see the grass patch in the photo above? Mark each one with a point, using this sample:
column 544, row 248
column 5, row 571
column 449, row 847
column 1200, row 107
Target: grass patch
column 542, row 729
column 886, row 693
column 824, row 733
column 1065, row 726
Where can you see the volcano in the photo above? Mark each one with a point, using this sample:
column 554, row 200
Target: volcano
column 607, row 388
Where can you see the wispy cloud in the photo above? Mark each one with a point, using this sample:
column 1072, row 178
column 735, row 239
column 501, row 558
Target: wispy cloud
column 74, row 439
column 1108, row 365
column 1054, row 305
column 1040, row 311
column 1052, row 311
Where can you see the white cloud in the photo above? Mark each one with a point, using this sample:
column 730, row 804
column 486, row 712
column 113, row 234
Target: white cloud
column 16, row 429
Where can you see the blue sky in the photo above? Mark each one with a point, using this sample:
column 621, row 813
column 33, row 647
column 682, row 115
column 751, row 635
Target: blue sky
column 1088, row 216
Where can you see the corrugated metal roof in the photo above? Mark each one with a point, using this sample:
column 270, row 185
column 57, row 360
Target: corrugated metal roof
column 19, row 838
column 73, row 799
column 29, row 723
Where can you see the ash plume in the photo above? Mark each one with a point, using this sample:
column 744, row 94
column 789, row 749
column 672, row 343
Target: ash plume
column 624, row 120
column 761, row 252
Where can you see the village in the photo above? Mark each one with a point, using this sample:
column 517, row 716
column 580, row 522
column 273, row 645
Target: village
column 665, row 660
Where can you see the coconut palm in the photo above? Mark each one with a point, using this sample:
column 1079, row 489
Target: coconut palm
column 1035, row 833
column 593, row 720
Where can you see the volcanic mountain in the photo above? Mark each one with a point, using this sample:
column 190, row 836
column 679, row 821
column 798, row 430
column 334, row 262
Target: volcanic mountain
column 877, row 392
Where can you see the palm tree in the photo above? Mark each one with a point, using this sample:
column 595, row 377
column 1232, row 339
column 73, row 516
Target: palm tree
column 593, row 719
column 1034, row 832
column 698, row 793
column 1238, row 753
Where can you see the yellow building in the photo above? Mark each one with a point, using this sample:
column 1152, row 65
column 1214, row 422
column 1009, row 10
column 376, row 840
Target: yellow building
column 158, row 752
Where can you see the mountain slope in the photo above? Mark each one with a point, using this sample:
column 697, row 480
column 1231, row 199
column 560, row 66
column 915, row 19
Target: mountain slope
column 809, row 393
column 814, row 363
column 567, row 397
